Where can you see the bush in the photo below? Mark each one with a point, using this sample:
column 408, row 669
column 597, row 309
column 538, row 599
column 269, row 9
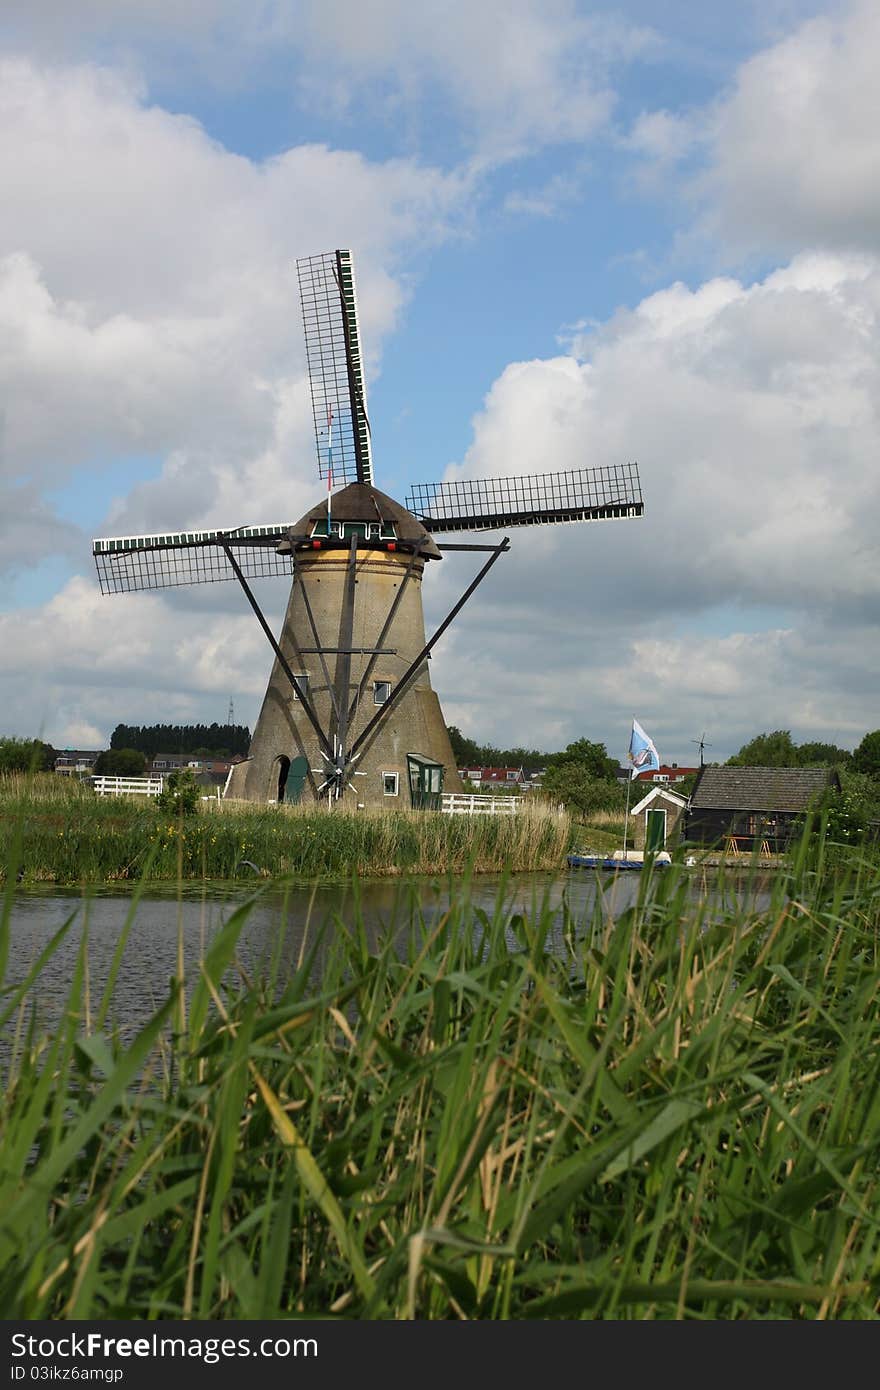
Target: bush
column 120, row 762
column 26, row 755
column 180, row 795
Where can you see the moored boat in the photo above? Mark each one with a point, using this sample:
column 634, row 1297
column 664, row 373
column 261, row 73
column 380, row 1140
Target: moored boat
column 619, row 859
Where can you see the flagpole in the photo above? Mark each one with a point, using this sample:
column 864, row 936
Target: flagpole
column 626, row 812
column 329, row 463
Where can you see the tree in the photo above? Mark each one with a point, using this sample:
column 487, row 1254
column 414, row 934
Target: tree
column 779, row 750
column 468, row 753
column 120, row 762
column 866, row 757
column 823, row 755
column 573, row 784
column 767, row 750
column 583, row 778
column 26, row 755
column 592, row 757
column 219, row 739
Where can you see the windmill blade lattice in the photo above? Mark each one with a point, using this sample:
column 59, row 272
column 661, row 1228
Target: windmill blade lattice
column 486, row 504
column 129, row 564
column 336, row 378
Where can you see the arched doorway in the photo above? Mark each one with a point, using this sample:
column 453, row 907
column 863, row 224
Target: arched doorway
column 291, row 778
column 283, row 774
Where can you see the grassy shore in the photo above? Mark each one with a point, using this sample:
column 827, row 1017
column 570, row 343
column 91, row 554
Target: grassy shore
column 677, row 1116
column 68, row 835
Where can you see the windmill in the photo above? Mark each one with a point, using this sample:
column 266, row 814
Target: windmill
column 349, row 712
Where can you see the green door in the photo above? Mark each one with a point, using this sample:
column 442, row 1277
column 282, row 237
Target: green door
column 296, row 780
column 655, row 831
column 291, row 778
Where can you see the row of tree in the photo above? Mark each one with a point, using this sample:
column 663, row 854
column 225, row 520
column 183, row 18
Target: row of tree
column 469, row 753
column 221, row 739
column 778, row 749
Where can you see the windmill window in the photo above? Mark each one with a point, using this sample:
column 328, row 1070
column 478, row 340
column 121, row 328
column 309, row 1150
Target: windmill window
column 300, row 684
column 390, row 784
column 381, row 692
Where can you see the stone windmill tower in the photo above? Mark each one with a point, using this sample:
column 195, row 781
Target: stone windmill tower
column 349, row 713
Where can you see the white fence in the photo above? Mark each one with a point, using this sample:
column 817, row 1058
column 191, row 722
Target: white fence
column 480, row 804
column 127, row 786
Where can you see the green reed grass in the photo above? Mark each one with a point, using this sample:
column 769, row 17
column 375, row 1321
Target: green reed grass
column 676, row 1115
column 71, row 836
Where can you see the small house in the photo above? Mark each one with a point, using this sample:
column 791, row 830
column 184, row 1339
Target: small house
column 743, row 808
column 657, row 819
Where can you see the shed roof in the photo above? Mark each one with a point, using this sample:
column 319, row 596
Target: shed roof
column 761, row 788
column 659, row 794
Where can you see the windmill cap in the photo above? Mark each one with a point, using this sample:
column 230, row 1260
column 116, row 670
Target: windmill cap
column 360, row 502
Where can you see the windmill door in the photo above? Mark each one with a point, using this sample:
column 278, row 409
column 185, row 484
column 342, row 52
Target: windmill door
column 291, row 778
column 425, row 782
column 655, row 831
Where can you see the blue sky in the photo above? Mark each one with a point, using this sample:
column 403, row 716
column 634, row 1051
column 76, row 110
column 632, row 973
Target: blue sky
column 582, row 235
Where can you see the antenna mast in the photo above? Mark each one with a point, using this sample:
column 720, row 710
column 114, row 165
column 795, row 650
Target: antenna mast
column 703, row 744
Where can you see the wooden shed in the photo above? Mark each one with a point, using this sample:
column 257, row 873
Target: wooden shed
column 754, row 807
column 657, row 819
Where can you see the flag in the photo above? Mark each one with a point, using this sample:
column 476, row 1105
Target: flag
column 642, row 753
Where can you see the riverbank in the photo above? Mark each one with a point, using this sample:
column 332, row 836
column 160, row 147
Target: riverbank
column 673, row 1114
column 67, row 835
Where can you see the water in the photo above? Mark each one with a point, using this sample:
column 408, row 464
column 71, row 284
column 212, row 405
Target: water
column 280, row 920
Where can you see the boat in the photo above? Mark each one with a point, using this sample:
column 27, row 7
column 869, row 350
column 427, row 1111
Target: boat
column 619, row 859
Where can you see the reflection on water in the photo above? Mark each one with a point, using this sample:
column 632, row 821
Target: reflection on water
column 282, row 921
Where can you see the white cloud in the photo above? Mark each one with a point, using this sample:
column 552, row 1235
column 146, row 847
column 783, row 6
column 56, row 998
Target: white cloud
column 519, row 73
column 796, row 144
column 510, row 75
column 148, row 300
column 86, row 660
column 752, row 412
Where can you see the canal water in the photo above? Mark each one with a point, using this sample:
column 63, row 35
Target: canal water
column 281, row 920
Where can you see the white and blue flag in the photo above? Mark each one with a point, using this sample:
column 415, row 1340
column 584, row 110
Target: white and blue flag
column 642, row 753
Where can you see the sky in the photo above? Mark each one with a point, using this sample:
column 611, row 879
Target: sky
column 582, row 236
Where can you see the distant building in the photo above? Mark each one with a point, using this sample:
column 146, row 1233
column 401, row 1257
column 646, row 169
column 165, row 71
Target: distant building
column 76, row 762
column 667, row 772
column 491, row 778
column 754, row 807
column 502, row 776
column 208, row 771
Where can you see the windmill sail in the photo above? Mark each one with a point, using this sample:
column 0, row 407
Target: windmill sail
column 333, row 353
column 127, row 564
column 486, row 504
